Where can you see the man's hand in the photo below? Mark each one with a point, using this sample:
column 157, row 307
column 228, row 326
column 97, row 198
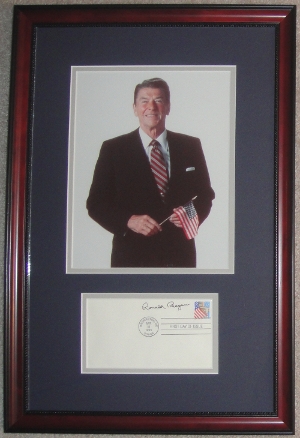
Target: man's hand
column 144, row 224
column 175, row 220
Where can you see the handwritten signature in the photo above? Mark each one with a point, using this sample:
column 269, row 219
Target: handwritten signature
column 170, row 304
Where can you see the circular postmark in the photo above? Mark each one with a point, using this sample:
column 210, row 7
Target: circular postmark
column 148, row 326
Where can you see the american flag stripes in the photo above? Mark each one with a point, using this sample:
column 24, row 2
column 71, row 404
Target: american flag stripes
column 189, row 219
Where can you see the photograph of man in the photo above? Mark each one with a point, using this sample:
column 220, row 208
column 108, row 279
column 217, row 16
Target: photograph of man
column 145, row 177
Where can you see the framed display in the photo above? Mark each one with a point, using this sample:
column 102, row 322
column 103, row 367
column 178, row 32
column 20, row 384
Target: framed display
column 149, row 250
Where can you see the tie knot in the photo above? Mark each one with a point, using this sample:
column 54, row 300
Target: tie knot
column 155, row 144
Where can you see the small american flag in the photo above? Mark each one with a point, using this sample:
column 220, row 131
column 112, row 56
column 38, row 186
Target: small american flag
column 200, row 311
column 189, row 219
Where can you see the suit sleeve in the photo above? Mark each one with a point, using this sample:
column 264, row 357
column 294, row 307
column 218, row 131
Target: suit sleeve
column 205, row 193
column 102, row 203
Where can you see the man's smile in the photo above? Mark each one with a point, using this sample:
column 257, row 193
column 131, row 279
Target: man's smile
column 153, row 115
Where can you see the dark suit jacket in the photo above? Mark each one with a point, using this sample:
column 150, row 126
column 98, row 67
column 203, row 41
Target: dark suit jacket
column 123, row 185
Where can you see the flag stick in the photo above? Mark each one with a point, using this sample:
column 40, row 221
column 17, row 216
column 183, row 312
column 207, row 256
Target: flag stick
column 172, row 213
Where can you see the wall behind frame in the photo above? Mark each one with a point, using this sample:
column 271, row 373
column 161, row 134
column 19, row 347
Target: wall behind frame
column 6, row 18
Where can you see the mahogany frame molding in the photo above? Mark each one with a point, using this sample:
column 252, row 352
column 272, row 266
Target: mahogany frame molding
column 16, row 416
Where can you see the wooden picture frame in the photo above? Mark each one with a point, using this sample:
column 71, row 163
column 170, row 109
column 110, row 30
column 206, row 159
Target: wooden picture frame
column 29, row 310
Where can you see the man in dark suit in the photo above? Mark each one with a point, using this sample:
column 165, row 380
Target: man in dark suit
column 131, row 198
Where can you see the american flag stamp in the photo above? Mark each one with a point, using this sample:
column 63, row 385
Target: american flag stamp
column 202, row 309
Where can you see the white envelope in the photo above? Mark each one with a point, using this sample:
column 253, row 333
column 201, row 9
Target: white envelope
column 149, row 333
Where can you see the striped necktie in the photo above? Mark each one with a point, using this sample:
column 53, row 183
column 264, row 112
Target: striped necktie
column 159, row 168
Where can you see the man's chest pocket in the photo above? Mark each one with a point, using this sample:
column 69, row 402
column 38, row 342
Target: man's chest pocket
column 189, row 175
column 187, row 180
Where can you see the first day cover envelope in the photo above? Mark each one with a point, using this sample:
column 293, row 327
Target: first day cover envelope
column 149, row 333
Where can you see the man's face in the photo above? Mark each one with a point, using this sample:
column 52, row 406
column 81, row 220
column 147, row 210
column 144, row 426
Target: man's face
column 151, row 107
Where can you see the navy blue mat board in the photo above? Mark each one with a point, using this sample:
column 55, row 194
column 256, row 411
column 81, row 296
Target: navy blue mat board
column 245, row 382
